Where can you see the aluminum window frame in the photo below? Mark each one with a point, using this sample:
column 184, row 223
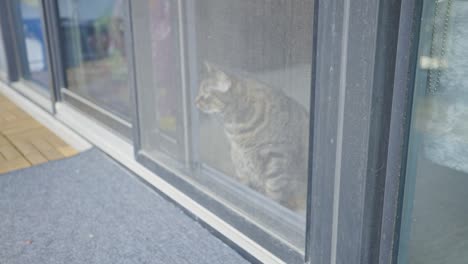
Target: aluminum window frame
column 55, row 48
column 11, row 73
column 405, row 74
column 358, row 69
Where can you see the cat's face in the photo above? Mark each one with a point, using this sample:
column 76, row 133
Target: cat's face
column 213, row 92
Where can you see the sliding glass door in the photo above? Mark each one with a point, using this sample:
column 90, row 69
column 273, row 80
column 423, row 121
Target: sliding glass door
column 435, row 215
column 162, row 106
column 223, row 104
column 3, row 61
column 32, row 46
column 93, row 39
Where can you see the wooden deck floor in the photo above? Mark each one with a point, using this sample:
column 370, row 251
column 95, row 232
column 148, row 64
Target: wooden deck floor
column 24, row 142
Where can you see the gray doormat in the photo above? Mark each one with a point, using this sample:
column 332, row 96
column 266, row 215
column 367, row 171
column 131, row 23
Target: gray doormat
column 89, row 209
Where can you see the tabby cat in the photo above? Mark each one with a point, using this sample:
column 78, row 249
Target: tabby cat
column 268, row 133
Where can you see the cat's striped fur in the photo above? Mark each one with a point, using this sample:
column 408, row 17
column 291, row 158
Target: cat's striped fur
column 267, row 131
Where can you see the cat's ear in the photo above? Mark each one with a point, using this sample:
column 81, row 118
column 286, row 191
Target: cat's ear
column 224, row 84
column 208, row 67
column 223, row 80
column 212, row 68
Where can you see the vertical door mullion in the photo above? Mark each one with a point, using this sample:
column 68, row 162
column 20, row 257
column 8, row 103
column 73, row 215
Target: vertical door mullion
column 408, row 172
column 52, row 29
column 327, row 64
column 191, row 69
column 9, row 41
column 129, row 45
column 355, row 68
column 313, row 79
column 16, row 28
column 51, row 52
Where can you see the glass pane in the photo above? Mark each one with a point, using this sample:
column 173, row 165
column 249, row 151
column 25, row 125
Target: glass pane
column 3, row 62
column 435, row 225
column 165, row 120
column 93, row 39
column 35, row 64
column 236, row 122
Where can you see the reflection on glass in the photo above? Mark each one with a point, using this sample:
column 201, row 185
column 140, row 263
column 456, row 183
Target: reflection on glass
column 93, row 38
column 166, row 76
column 435, row 226
column 3, row 62
column 36, row 68
column 240, row 124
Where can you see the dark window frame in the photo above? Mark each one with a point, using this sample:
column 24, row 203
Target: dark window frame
column 405, row 74
column 361, row 50
column 8, row 41
column 55, row 48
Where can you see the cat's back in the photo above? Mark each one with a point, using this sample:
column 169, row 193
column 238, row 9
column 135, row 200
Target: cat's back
column 285, row 120
column 281, row 107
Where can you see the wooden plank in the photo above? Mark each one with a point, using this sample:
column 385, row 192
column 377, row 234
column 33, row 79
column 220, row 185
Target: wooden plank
column 30, row 134
column 67, row 151
column 41, row 144
column 2, row 158
column 9, row 152
column 21, row 128
column 19, row 123
column 18, row 163
column 35, row 158
column 24, row 141
column 24, row 147
column 3, row 141
column 55, row 141
column 52, row 154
